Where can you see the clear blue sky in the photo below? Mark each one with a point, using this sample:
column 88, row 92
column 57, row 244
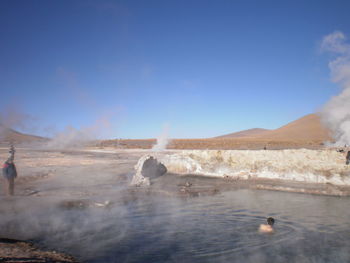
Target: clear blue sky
column 204, row 68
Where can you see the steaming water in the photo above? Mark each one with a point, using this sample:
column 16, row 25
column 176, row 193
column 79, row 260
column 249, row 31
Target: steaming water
column 219, row 228
column 84, row 207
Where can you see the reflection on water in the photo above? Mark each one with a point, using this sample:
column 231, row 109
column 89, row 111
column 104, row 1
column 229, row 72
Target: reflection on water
column 220, row 228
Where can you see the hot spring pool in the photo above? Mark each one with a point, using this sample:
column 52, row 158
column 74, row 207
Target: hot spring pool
column 218, row 228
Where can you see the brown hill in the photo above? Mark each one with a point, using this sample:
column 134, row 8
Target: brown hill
column 246, row 133
column 306, row 128
column 8, row 135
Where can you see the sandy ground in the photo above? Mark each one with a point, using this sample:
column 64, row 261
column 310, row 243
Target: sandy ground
column 81, row 178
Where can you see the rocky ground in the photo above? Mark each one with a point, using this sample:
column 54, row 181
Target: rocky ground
column 16, row 251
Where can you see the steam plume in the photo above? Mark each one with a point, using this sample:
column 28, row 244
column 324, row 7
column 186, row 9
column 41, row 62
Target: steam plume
column 162, row 140
column 72, row 137
column 336, row 113
column 12, row 117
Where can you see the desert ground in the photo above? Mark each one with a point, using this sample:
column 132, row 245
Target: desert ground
column 215, row 144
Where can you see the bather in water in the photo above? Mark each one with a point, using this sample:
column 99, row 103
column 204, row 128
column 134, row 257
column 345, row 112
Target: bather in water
column 267, row 228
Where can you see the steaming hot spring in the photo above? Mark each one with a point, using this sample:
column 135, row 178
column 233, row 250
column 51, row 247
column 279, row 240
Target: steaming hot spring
column 190, row 205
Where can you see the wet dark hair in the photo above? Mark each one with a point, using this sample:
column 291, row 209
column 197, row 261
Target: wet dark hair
column 270, row 221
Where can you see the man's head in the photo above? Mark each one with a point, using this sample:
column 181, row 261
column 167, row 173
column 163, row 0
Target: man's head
column 270, row 221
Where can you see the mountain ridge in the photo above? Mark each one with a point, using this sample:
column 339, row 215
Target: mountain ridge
column 308, row 127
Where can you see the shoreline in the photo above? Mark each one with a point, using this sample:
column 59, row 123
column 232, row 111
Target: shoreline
column 12, row 250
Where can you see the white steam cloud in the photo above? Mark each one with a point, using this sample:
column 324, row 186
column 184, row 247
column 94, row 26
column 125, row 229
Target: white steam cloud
column 72, row 137
column 162, row 140
column 13, row 117
column 336, row 113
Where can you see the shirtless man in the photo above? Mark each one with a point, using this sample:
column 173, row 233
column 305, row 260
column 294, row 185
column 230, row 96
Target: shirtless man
column 267, row 228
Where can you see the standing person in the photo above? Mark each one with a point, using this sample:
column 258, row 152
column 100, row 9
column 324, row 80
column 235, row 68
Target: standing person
column 9, row 172
column 348, row 158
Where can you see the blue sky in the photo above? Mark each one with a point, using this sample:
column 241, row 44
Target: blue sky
column 202, row 68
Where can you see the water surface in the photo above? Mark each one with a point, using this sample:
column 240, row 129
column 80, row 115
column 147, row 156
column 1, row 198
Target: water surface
column 217, row 228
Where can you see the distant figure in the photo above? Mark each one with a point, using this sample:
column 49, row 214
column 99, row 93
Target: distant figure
column 9, row 172
column 267, row 228
column 265, row 148
column 348, row 158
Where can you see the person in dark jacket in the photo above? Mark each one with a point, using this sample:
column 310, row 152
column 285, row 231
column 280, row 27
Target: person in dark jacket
column 348, row 158
column 9, row 172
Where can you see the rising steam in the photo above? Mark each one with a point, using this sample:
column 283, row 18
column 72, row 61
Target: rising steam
column 336, row 113
column 162, row 140
column 71, row 137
